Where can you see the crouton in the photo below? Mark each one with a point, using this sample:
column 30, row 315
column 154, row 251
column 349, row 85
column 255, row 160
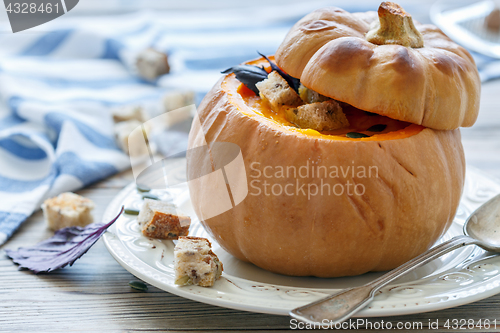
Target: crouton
column 311, row 96
column 195, row 263
column 276, row 91
column 160, row 220
column 67, row 210
column 151, row 64
column 320, row 116
column 129, row 112
column 177, row 99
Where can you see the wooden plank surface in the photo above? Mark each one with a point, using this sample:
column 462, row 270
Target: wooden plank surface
column 482, row 141
column 94, row 295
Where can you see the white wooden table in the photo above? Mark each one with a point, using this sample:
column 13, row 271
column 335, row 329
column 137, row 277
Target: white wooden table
column 94, row 294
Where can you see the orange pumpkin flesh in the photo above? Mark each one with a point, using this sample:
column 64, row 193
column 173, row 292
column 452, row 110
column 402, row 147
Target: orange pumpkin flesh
column 403, row 211
column 358, row 119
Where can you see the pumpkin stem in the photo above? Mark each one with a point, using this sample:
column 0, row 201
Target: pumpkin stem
column 395, row 26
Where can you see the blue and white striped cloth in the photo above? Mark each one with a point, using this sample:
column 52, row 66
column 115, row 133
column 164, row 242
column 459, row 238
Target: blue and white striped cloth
column 57, row 88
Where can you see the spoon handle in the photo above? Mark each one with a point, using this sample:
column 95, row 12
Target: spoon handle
column 342, row 305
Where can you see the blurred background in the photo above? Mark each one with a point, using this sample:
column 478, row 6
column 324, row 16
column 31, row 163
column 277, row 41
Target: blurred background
column 200, row 36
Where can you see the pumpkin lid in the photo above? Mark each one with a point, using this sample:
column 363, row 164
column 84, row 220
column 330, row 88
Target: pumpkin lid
column 387, row 65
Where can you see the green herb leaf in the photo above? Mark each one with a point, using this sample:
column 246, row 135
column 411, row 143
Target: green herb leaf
column 138, row 285
column 377, row 128
column 131, row 211
column 356, row 135
column 150, row 196
column 143, row 188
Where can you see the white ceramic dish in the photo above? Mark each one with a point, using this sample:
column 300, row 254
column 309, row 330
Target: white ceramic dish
column 464, row 22
column 463, row 276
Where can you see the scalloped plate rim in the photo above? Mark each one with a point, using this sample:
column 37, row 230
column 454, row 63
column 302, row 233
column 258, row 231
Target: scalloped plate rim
column 199, row 293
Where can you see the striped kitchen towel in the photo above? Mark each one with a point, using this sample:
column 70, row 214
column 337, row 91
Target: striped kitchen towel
column 59, row 81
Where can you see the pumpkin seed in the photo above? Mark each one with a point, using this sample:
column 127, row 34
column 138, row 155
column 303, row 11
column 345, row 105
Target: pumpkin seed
column 143, row 188
column 138, row 285
column 377, row 128
column 131, row 211
column 150, row 196
column 356, row 135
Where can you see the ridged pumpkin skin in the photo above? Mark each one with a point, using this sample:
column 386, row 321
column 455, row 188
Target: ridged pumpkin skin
column 436, row 85
column 402, row 213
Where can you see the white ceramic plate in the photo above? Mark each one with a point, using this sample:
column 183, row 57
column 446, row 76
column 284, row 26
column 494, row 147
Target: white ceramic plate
column 463, row 276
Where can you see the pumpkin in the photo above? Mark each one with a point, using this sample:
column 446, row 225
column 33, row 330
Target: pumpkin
column 411, row 186
column 390, row 65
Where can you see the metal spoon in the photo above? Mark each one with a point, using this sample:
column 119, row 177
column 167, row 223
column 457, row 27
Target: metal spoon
column 482, row 228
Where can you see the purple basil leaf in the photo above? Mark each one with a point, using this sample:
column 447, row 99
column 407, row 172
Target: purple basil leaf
column 292, row 82
column 65, row 247
column 249, row 75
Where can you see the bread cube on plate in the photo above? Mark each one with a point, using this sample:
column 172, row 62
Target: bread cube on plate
column 276, row 91
column 195, row 263
column 161, row 220
column 67, row 210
